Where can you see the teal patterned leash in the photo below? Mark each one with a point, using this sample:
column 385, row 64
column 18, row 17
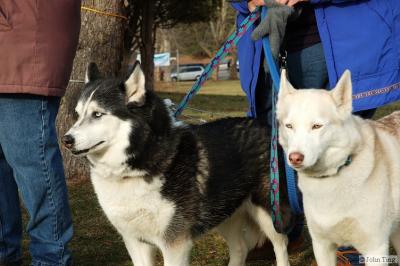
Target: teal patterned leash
column 232, row 41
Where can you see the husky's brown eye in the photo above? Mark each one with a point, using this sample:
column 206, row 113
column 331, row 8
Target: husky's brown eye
column 289, row 126
column 316, row 126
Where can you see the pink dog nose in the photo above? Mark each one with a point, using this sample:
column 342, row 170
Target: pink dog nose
column 296, row 158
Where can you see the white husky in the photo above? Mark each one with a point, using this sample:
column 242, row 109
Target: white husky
column 349, row 170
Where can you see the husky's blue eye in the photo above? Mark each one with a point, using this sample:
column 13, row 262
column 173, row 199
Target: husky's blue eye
column 97, row 115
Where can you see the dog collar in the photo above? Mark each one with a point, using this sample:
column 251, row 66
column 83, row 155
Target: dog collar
column 346, row 163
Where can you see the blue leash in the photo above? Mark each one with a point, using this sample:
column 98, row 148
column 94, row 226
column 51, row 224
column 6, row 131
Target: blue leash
column 291, row 180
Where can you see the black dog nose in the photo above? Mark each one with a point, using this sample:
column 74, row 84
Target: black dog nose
column 68, row 141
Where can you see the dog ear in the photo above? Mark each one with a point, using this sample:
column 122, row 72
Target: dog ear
column 342, row 94
column 285, row 86
column 135, row 86
column 92, row 73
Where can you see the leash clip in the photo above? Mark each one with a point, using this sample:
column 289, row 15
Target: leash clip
column 283, row 59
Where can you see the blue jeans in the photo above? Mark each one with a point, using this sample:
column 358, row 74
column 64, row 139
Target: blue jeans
column 307, row 69
column 31, row 165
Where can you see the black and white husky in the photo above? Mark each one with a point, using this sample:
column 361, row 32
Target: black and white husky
column 162, row 184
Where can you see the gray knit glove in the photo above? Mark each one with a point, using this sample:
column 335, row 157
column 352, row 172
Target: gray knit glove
column 273, row 25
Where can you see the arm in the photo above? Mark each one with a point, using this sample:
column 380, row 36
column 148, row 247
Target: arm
column 241, row 7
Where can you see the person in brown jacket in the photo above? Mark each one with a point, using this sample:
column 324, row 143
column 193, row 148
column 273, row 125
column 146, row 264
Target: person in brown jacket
column 38, row 41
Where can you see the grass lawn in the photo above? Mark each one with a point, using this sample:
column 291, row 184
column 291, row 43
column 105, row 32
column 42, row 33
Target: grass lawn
column 97, row 243
column 216, row 99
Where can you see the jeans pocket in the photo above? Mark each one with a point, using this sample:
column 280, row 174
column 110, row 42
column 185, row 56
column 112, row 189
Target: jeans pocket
column 5, row 18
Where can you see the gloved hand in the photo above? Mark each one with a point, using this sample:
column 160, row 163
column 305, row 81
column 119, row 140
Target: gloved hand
column 273, row 25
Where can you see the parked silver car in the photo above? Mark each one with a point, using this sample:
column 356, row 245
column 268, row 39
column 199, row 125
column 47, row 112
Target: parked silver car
column 187, row 73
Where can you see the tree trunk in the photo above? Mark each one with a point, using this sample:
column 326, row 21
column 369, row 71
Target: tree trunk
column 148, row 36
column 101, row 41
column 233, row 70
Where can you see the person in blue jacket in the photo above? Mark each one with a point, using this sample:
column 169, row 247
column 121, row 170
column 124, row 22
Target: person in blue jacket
column 325, row 38
column 328, row 37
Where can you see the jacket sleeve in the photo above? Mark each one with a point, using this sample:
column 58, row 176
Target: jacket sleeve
column 241, row 8
column 331, row 1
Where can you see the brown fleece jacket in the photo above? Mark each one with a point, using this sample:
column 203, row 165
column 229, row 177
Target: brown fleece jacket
column 38, row 41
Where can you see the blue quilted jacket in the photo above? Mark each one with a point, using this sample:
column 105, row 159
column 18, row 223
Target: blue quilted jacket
column 360, row 35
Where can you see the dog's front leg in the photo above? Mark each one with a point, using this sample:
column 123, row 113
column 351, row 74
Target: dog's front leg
column 177, row 253
column 142, row 254
column 324, row 251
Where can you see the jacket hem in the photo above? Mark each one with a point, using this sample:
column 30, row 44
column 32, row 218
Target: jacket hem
column 36, row 90
column 376, row 92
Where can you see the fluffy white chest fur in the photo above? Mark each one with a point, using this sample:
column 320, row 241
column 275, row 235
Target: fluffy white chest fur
column 135, row 207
